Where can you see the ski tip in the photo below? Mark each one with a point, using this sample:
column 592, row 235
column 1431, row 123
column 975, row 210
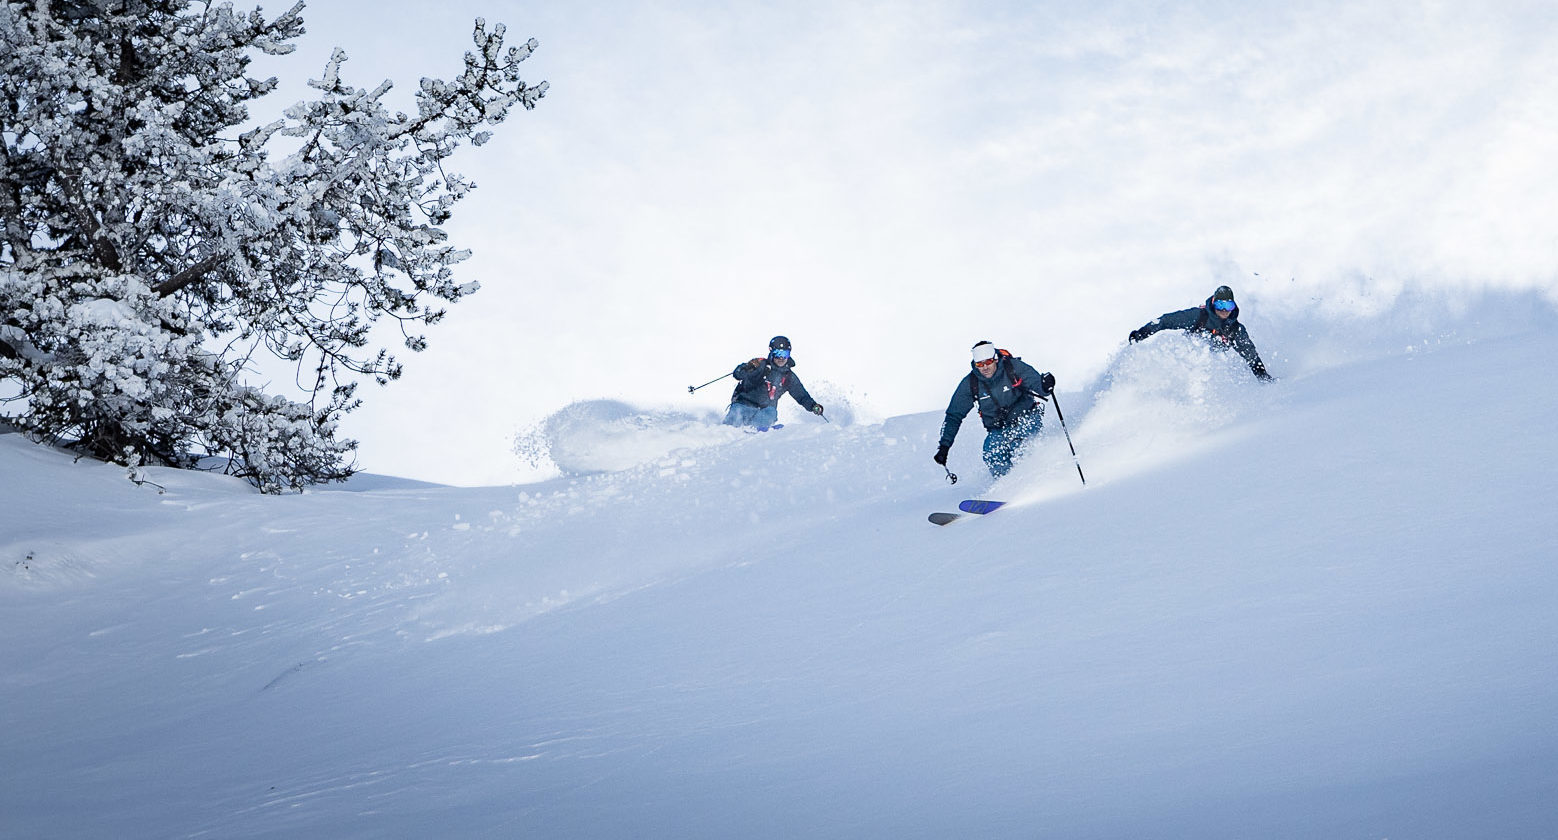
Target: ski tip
column 940, row 518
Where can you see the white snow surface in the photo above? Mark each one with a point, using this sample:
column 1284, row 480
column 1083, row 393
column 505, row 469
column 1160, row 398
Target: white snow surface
column 1318, row 608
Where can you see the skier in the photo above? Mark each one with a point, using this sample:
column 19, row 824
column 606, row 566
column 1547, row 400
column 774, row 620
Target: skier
column 1218, row 321
column 759, row 384
column 1010, row 396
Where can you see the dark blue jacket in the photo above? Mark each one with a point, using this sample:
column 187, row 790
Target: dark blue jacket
column 762, row 385
column 1014, row 394
column 1221, row 332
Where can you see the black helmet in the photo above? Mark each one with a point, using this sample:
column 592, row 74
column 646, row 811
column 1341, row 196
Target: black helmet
column 779, row 342
column 1223, row 293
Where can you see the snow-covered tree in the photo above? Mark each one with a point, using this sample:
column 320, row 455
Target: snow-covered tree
column 155, row 238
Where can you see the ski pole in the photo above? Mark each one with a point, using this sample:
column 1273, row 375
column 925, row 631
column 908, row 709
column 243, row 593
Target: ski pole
column 1062, row 416
column 691, row 388
column 952, row 477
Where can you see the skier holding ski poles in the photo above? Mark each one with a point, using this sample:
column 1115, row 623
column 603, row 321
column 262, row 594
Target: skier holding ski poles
column 760, row 383
column 1010, row 396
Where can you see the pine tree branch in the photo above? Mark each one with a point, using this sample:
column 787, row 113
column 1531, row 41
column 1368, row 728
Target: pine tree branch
column 188, row 275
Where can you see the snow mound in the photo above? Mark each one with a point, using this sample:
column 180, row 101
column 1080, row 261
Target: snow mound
column 600, row 436
column 1345, row 329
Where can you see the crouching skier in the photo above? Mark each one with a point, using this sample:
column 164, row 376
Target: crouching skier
column 759, row 385
column 1010, row 396
column 1218, row 321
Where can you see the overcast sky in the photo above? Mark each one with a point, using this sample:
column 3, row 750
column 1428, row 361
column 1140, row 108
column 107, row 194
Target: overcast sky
column 887, row 183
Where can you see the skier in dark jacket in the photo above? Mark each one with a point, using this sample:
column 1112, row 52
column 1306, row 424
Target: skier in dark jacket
column 1010, row 396
column 761, row 382
column 1218, row 321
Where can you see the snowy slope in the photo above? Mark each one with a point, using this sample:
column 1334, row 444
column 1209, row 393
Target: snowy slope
column 1322, row 608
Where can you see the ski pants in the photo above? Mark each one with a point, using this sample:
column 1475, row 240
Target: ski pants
column 1002, row 445
column 747, row 414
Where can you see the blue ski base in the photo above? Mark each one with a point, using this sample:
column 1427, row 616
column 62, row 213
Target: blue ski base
column 978, row 505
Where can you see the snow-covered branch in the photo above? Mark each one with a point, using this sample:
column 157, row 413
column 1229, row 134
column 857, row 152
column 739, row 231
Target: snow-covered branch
column 140, row 228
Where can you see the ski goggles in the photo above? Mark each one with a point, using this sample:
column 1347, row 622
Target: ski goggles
column 780, row 354
column 1223, row 305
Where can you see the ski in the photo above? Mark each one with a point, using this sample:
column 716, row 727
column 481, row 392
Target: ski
column 978, row 505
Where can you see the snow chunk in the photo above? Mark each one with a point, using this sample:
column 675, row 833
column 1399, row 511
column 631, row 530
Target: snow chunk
column 597, row 436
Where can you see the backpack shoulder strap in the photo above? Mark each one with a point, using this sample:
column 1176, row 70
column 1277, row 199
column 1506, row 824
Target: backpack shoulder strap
column 1011, row 369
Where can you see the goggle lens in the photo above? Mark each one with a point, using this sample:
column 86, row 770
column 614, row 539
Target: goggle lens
column 782, row 353
column 1223, row 305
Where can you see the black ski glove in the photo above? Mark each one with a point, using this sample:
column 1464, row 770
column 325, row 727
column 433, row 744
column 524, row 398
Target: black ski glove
column 1048, row 382
column 1260, row 372
column 1137, row 335
column 941, row 455
column 816, row 408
